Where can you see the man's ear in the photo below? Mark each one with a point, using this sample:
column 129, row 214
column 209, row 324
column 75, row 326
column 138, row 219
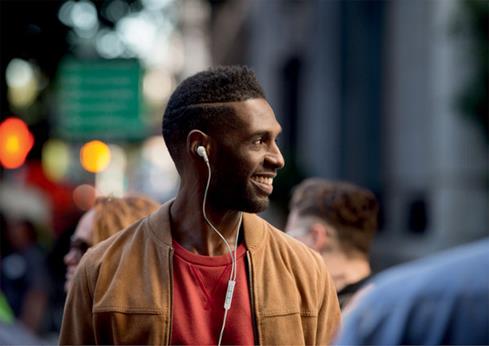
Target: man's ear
column 196, row 138
column 322, row 236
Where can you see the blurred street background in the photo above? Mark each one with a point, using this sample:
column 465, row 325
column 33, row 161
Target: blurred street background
column 391, row 95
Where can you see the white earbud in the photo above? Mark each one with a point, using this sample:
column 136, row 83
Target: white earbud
column 200, row 150
column 202, row 153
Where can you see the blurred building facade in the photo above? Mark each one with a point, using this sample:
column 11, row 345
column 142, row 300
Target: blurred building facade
column 366, row 91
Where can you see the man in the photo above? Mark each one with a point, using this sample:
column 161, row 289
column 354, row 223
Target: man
column 439, row 300
column 164, row 279
column 107, row 216
column 338, row 220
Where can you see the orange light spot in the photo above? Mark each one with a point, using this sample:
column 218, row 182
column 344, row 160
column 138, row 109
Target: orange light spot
column 15, row 143
column 95, row 156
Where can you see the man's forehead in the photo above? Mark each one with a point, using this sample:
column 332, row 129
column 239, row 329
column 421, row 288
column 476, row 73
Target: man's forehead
column 258, row 106
column 85, row 225
column 256, row 113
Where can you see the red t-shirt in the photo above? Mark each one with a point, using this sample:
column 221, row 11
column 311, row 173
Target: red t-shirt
column 199, row 288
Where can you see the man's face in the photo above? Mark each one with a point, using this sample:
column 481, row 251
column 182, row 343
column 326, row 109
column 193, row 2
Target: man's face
column 246, row 158
column 80, row 242
column 298, row 227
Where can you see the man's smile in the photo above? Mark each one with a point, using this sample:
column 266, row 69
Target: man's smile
column 263, row 182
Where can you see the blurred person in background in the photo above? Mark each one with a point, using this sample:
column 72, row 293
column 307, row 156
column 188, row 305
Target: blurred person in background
column 108, row 216
column 338, row 220
column 12, row 332
column 439, row 300
column 24, row 275
column 170, row 278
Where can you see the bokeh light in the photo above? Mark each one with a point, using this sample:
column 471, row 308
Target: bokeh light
column 15, row 142
column 95, row 156
column 160, row 175
column 108, row 44
column 81, row 16
column 64, row 14
column 157, row 86
column 22, row 81
column 55, row 159
column 115, row 10
column 84, row 15
column 156, row 5
column 84, row 196
column 18, row 73
column 138, row 32
column 112, row 180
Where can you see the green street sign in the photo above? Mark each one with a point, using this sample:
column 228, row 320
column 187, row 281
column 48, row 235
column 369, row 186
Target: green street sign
column 99, row 99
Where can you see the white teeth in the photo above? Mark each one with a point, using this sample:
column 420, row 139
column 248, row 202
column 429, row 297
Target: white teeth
column 263, row 180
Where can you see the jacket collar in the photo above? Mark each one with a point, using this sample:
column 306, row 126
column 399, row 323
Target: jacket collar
column 159, row 222
column 254, row 231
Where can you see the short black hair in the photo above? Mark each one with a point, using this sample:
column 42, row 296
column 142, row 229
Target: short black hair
column 350, row 209
column 199, row 103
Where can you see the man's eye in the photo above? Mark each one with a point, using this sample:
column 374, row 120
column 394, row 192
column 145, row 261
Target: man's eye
column 258, row 141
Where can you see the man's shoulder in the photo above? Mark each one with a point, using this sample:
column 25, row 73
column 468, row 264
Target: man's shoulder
column 435, row 278
column 150, row 229
column 277, row 241
column 115, row 245
column 116, row 270
column 449, row 285
column 292, row 244
column 440, row 272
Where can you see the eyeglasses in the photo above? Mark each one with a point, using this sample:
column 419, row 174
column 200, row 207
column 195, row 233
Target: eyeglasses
column 79, row 246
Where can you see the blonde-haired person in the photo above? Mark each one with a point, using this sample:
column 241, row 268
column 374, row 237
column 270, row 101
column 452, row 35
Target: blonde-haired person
column 108, row 216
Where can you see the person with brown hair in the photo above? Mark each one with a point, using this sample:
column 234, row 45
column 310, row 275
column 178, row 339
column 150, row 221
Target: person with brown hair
column 338, row 220
column 108, row 216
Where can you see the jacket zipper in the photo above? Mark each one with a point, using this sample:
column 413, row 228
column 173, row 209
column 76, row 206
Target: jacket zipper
column 170, row 305
column 252, row 299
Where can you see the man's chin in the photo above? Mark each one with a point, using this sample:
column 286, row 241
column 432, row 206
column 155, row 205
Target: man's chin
column 256, row 206
column 250, row 204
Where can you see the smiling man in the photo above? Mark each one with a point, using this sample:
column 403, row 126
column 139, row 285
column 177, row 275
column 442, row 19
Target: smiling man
column 204, row 269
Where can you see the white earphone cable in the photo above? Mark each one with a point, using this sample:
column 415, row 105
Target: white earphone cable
column 233, row 275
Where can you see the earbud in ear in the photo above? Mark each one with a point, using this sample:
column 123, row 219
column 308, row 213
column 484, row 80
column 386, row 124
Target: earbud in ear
column 202, row 153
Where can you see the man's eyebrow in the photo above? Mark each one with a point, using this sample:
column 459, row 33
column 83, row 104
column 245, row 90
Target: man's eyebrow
column 277, row 133
column 265, row 133
column 260, row 133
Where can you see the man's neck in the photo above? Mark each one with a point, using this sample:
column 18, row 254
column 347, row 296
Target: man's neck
column 191, row 231
column 347, row 270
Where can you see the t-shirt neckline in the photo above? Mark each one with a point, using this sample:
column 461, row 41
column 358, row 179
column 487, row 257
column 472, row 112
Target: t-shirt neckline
column 209, row 261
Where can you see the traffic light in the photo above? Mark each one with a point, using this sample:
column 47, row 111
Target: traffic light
column 15, row 142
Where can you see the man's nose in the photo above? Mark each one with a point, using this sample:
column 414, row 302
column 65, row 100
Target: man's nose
column 275, row 157
column 70, row 258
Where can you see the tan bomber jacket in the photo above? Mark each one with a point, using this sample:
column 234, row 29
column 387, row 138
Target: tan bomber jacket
column 122, row 290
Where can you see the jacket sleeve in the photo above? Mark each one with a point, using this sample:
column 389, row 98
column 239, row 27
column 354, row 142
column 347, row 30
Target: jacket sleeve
column 329, row 318
column 77, row 324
